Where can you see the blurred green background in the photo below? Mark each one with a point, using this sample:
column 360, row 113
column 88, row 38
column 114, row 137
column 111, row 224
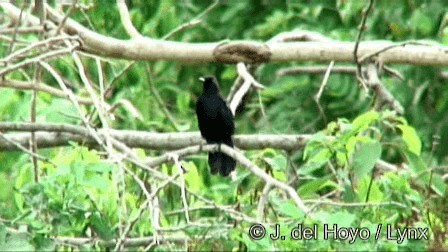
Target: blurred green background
column 80, row 193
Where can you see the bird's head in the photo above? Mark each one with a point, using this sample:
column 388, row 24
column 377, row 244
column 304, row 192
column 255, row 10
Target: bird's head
column 210, row 84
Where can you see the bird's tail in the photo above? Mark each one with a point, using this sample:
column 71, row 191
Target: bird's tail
column 220, row 162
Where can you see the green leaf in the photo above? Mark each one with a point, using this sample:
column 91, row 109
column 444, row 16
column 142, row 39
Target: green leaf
column 277, row 163
column 309, row 188
column 365, row 158
column 445, row 36
column 375, row 194
column 2, row 234
column 438, row 185
column 323, row 155
column 411, row 138
column 100, row 226
column 418, row 166
column 183, row 102
column 192, row 177
column 290, row 209
column 340, row 218
column 100, row 167
column 17, row 242
column 421, row 22
column 310, row 167
column 363, row 121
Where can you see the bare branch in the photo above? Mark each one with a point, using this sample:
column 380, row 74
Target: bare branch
column 40, row 58
column 242, row 83
column 72, row 98
column 126, row 20
column 248, row 81
column 33, row 143
column 195, row 21
column 336, row 70
column 322, row 87
column 22, row 30
column 21, row 147
column 19, row 20
column 140, row 139
column 158, row 98
column 299, row 35
column 46, row 42
column 240, row 51
column 242, row 160
column 130, row 242
column 383, row 95
column 263, row 200
column 358, row 40
column 357, row 204
column 69, row 12
column 389, row 47
column 22, row 85
column 315, row 70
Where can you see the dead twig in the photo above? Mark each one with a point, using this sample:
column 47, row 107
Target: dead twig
column 193, row 22
column 358, row 40
column 126, row 20
column 321, row 89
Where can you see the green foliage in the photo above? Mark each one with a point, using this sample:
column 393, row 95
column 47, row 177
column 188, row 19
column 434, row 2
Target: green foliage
column 84, row 194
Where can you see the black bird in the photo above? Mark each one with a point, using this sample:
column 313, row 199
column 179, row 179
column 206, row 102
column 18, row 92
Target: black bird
column 216, row 125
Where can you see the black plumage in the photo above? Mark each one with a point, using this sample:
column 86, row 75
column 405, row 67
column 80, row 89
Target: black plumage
column 216, row 125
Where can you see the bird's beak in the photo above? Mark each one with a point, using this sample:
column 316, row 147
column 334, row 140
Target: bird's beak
column 201, row 79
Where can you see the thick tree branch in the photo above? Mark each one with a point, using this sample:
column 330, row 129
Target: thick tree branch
column 53, row 135
column 240, row 51
column 50, row 135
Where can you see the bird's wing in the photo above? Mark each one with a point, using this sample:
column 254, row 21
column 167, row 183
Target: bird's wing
column 226, row 117
column 200, row 112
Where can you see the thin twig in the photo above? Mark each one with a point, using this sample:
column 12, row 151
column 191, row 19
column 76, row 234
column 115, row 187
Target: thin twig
column 356, row 204
column 20, row 147
column 249, row 81
column 69, row 12
column 46, row 42
column 182, row 171
column 11, row 45
column 40, row 58
column 193, row 22
column 321, row 89
column 123, row 71
column 366, row 57
column 242, row 160
column 315, row 70
column 73, row 99
column 126, row 20
column 39, row 5
column 382, row 94
column 358, row 40
column 42, row 87
column 22, row 30
column 33, row 143
column 159, row 99
column 263, row 200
